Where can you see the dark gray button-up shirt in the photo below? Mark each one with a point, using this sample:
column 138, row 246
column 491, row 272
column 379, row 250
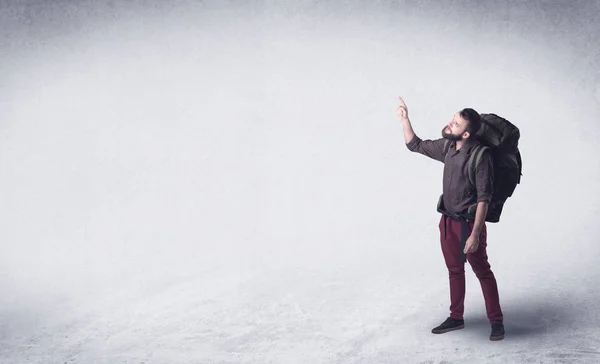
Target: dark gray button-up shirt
column 458, row 192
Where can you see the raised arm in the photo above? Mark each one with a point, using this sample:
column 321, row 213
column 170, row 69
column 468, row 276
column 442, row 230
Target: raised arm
column 402, row 112
column 431, row 148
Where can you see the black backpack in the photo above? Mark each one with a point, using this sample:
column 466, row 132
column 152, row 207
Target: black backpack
column 502, row 137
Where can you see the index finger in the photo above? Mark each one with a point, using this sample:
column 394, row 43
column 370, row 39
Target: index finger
column 401, row 101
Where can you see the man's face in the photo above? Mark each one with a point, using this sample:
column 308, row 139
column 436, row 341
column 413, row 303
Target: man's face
column 455, row 130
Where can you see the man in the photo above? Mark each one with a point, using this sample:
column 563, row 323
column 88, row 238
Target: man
column 463, row 206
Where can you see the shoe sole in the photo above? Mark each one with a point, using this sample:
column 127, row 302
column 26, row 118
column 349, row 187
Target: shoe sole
column 496, row 338
column 447, row 330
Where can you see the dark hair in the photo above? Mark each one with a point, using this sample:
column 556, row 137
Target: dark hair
column 474, row 120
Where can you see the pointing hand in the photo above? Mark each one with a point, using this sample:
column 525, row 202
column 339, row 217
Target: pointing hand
column 402, row 110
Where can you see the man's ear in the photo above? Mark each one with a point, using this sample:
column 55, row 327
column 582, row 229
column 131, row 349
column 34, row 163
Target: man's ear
column 466, row 135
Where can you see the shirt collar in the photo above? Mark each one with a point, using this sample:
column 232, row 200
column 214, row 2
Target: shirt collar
column 467, row 146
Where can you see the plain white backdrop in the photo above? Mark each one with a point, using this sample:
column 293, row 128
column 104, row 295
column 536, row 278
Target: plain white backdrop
column 212, row 182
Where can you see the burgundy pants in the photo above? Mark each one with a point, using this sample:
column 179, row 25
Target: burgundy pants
column 450, row 237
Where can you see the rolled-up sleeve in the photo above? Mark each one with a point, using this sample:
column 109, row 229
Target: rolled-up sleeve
column 430, row 148
column 484, row 178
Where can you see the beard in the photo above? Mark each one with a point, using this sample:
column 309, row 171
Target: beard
column 449, row 136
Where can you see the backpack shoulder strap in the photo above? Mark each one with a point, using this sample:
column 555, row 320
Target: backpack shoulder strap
column 474, row 160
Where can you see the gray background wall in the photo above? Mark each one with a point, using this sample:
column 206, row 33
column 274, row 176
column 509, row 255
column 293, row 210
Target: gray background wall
column 237, row 171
